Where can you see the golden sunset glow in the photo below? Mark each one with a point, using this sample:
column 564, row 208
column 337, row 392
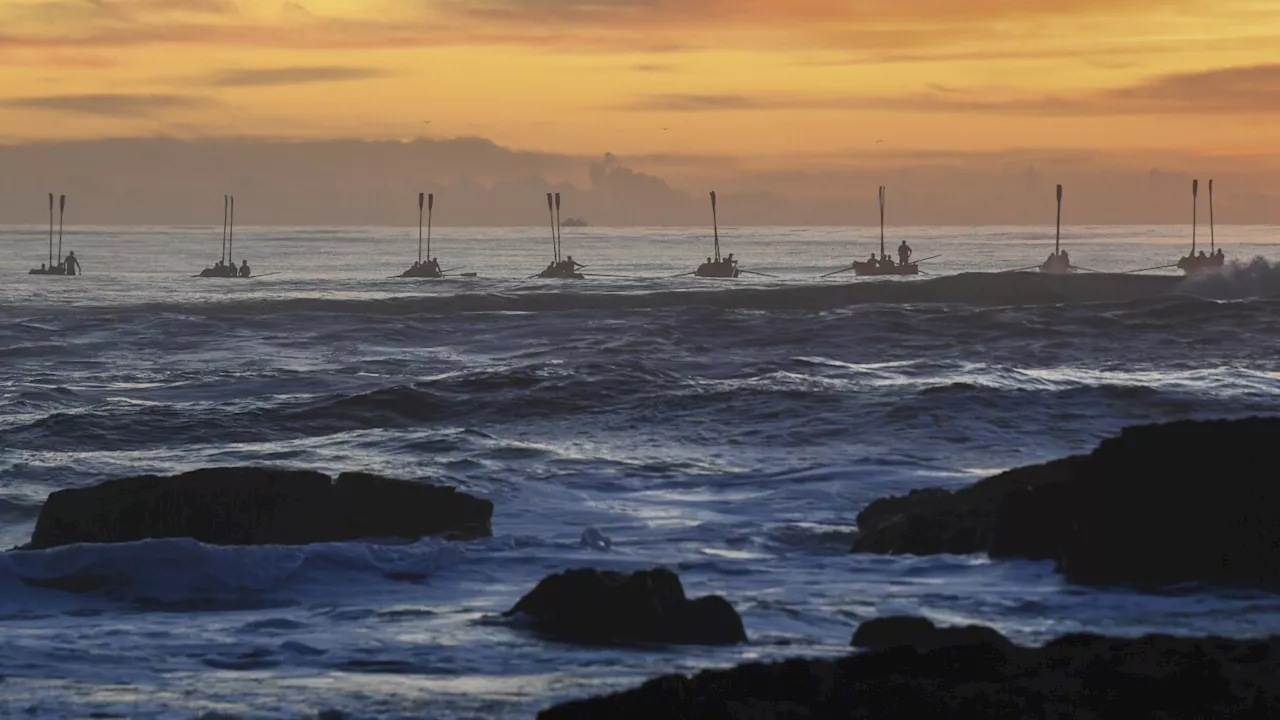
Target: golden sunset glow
column 767, row 85
column 751, row 78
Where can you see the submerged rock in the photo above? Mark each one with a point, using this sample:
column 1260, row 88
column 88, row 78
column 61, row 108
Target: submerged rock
column 602, row 607
column 255, row 506
column 1155, row 506
column 1075, row 676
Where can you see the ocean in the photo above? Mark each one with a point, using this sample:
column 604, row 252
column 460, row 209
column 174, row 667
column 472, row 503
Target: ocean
column 728, row 429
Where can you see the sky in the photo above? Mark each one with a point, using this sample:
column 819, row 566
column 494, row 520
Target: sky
column 971, row 111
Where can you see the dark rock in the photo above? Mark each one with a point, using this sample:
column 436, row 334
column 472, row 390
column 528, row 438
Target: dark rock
column 1157, row 505
column 253, row 506
column 921, row 634
column 934, row 521
column 1075, row 676
column 602, row 607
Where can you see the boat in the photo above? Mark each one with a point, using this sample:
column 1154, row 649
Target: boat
column 1194, row 264
column 560, row 268
column 716, row 266
column 59, row 268
column 1059, row 262
column 429, row 268
column 226, row 267
column 884, row 265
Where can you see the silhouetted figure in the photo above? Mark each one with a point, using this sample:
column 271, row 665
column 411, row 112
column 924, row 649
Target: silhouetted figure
column 904, row 253
column 244, row 268
column 71, row 266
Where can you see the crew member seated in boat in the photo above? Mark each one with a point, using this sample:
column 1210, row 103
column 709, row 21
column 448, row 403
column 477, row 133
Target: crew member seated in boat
column 886, row 262
column 871, row 260
column 571, row 265
column 244, row 268
column 71, row 266
column 904, row 253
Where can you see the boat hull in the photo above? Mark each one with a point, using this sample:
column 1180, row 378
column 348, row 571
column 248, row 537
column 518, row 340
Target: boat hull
column 872, row 269
column 1193, row 265
column 558, row 274
column 716, row 270
column 421, row 271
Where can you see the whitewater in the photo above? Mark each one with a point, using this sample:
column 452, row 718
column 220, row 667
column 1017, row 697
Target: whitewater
column 729, row 430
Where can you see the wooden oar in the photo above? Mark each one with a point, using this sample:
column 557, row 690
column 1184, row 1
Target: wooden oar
column 837, row 272
column 753, row 272
column 470, row 274
column 254, row 277
column 452, row 269
column 1023, row 269
column 62, row 209
column 672, row 277
column 1079, row 267
column 624, row 277
column 931, row 257
column 1158, row 267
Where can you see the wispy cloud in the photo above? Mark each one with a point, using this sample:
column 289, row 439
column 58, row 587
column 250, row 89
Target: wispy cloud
column 1235, row 90
column 256, row 77
column 107, row 104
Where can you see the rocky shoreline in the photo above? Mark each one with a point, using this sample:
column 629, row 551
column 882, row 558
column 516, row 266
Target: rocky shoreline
column 1158, row 505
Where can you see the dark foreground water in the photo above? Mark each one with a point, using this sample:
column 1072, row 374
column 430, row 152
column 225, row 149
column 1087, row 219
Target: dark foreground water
column 730, row 430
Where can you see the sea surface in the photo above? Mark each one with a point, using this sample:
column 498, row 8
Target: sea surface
column 730, row 430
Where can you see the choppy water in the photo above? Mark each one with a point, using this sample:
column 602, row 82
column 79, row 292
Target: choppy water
column 729, row 429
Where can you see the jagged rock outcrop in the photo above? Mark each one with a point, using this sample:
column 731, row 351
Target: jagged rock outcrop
column 1072, row 677
column 258, row 506
column 1156, row 505
column 604, row 607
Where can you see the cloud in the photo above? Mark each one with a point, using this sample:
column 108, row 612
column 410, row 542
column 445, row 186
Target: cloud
column 107, row 104
column 257, row 77
column 1229, row 91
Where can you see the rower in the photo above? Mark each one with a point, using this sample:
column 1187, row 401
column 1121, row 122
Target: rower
column 904, row 253
column 572, row 264
column 71, row 266
column 244, row 268
column 1066, row 261
column 1219, row 257
column 435, row 265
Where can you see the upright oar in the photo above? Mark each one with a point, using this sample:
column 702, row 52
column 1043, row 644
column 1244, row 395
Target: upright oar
column 51, row 232
column 431, row 204
column 881, row 221
column 715, row 225
column 62, row 209
column 1211, row 238
column 231, row 231
column 225, row 200
column 1057, row 234
column 1195, row 191
column 559, row 230
column 421, row 199
column 555, row 251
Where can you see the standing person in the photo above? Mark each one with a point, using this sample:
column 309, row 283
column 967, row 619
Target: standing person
column 244, row 267
column 904, row 253
column 71, row 266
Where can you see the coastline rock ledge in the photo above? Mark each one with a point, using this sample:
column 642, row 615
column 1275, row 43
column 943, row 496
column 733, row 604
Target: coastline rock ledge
column 1159, row 505
column 258, row 506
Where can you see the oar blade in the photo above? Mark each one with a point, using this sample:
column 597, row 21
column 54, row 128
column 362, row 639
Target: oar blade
column 421, row 199
column 431, row 201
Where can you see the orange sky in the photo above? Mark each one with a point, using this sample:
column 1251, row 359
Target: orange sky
column 744, row 78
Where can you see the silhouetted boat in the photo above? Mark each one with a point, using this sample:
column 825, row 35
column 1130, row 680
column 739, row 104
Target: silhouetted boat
column 559, row 268
column 429, row 268
column 884, row 265
column 1215, row 260
column 716, row 266
column 1058, row 262
column 59, row 268
column 226, row 267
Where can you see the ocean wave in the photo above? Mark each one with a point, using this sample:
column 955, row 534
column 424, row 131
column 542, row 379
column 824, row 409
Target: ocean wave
column 179, row 572
column 976, row 288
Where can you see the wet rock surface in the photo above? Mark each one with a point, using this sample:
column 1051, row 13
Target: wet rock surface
column 606, row 607
column 1157, row 505
column 1072, row 677
column 257, row 506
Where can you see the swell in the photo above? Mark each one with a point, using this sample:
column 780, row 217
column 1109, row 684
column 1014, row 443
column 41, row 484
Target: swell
column 990, row 289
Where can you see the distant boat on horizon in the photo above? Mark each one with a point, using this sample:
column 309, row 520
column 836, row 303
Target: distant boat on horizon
column 574, row 222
